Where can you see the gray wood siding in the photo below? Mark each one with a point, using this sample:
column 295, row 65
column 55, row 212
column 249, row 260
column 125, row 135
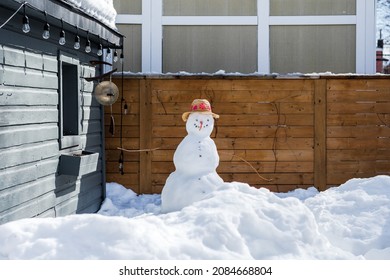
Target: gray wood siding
column 30, row 184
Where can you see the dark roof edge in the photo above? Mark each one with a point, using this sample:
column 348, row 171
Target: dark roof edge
column 73, row 17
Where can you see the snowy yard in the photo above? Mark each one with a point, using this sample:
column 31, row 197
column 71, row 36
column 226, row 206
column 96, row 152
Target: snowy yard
column 351, row 221
column 234, row 222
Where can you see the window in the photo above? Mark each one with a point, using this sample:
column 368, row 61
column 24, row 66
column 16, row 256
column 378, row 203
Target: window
column 199, row 49
column 310, row 7
column 69, row 106
column 308, row 49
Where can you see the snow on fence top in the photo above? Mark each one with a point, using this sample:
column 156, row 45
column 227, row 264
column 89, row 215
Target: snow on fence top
column 102, row 10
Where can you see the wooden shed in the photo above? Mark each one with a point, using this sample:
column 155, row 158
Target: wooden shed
column 51, row 128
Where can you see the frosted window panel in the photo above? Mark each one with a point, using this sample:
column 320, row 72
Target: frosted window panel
column 312, row 7
column 132, row 44
column 209, row 8
column 307, row 49
column 210, row 48
column 133, row 7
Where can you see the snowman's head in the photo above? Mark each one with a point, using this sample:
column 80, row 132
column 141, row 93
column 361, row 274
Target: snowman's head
column 200, row 125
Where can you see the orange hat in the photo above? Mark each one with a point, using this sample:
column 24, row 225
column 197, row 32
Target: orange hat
column 200, row 106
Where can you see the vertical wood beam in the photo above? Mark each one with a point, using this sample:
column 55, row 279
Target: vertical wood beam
column 320, row 167
column 145, row 118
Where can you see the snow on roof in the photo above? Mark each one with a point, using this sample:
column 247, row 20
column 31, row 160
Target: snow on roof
column 102, row 10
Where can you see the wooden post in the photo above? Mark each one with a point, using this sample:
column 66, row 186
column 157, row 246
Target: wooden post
column 145, row 176
column 320, row 167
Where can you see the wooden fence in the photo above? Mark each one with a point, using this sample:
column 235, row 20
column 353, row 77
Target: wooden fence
column 296, row 133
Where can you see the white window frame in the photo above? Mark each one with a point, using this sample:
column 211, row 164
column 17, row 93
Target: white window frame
column 152, row 22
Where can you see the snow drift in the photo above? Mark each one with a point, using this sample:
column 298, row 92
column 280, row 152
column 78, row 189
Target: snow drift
column 236, row 222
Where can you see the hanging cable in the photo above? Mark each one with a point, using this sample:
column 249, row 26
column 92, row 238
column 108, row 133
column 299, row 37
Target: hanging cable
column 121, row 157
column 14, row 14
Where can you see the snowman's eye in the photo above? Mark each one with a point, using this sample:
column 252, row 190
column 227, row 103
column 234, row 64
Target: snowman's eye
column 196, row 120
column 208, row 120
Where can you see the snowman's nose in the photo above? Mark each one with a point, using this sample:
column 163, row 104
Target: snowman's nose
column 201, row 125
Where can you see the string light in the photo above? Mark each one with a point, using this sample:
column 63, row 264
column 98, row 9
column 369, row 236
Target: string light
column 121, row 57
column 76, row 45
column 125, row 108
column 26, row 23
column 46, row 29
column 62, row 40
column 88, row 45
column 115, row 56
column 120, row 161
column 100, row 50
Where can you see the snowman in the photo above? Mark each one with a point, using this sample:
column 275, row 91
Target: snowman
column 196, row 160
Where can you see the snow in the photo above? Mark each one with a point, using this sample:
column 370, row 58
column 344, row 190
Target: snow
column 102, row 10
column 237, row 221
column 351, row 221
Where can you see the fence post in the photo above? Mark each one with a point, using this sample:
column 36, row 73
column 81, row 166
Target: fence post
column 145, row 123
column 320, row 167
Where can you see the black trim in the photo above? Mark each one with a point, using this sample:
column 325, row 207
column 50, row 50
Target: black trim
column 71, row 16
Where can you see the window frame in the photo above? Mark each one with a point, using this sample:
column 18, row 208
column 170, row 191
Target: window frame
column 73, row 140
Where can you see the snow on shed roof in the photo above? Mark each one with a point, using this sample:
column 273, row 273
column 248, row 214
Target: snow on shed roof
column 102, row 10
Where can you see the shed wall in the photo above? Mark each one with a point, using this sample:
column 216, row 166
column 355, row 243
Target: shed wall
column 30, row 184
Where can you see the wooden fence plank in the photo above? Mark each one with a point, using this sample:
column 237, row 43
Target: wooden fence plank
column 225, row 96
column 273, row 84
column 145, row 182
column 243, row 120
column 320, row 134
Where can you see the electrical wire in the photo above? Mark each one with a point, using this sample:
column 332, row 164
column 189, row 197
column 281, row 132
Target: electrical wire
column 14, row 14
column 121, row 156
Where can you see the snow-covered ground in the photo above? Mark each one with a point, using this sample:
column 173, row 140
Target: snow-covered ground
column 351, row 221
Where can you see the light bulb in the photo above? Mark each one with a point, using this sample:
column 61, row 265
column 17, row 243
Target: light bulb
column 125, row 108
column 108, row 53
column 46, row 31
column 88, row 47
column 121, row 58
column 115, row 56
column 76, row 45
column 62, row 40
column 100, row 50
column 26, row 24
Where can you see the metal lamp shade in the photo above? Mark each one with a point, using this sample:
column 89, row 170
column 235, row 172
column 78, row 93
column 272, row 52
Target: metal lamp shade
column 106, row 93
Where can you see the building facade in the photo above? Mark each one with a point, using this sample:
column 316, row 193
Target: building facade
column 248, row 36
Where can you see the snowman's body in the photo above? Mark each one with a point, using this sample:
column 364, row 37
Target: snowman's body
column 196, row 160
